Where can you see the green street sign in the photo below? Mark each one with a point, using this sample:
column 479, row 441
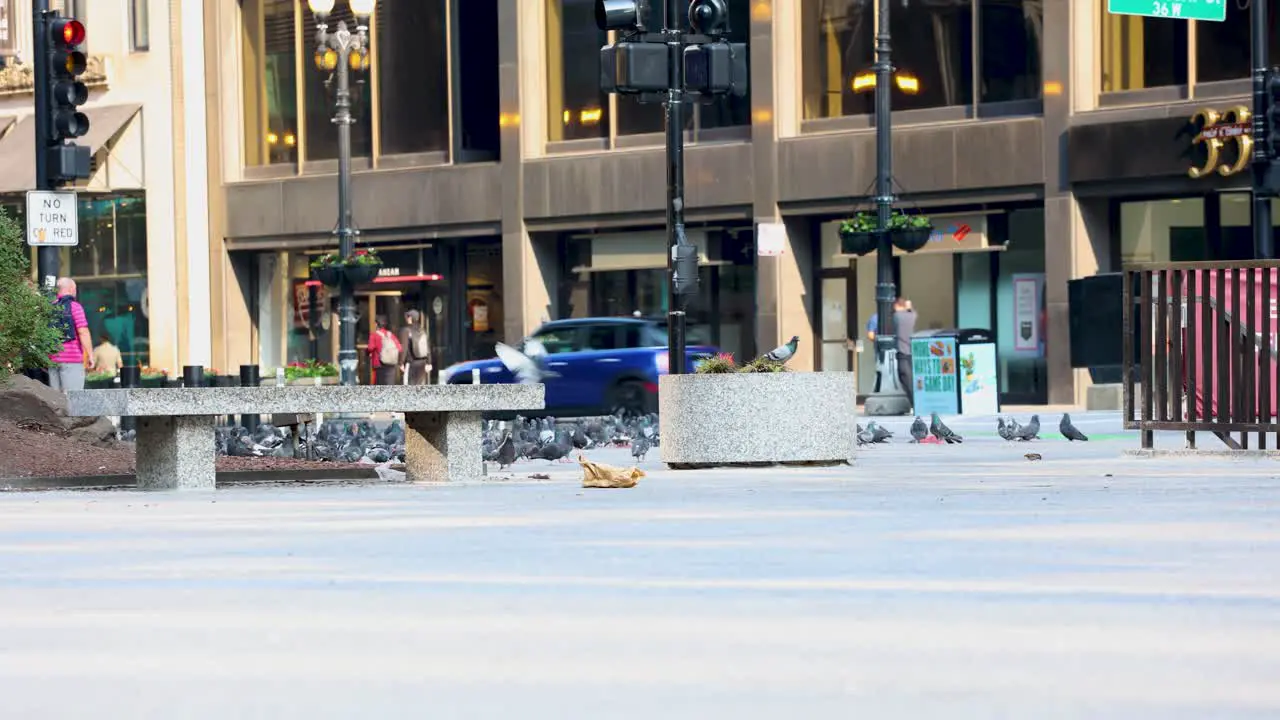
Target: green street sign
column 1215, row 10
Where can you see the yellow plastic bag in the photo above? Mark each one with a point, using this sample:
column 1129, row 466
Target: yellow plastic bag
column 595, row 475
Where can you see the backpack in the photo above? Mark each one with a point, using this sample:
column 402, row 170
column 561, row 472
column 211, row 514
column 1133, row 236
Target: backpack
column 64, row 321
column 389, row 354
column 421, row 348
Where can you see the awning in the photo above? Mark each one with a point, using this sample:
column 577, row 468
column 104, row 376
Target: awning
column 17, row 148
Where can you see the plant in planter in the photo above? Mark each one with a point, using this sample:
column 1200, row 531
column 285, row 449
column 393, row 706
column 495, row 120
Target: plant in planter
column 154, row 377
column 309, row 371
column 717, row 365
column 858, row 234
column 909, row 233
column 362, row 266
column 327, row 269
column 99, row 381
column 763, row 365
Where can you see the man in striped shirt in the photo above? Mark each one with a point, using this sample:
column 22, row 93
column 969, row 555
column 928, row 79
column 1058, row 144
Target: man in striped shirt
column 69, row 364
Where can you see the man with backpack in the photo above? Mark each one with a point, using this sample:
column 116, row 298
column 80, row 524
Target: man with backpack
column 416, row 356
column 67, row 368
column 384, row 353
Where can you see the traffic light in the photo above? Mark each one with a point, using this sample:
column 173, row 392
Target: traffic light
column 64, row 94
column 717, row 68
column 630, row 67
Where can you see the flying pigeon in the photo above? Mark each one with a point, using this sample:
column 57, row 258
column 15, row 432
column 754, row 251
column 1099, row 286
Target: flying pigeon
column 919, row 431
column 942, row 432
column 1030, row 431
column 1069, row 431
column 783, row 353
column 527, row 365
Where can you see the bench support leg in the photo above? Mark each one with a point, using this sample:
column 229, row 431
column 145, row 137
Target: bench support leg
column 442, row 447
column 176, row 453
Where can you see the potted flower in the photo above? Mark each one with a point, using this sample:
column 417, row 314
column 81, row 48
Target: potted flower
column 100, row 381
column 154, row 377
column 713, row 417
column 213, row 379
column 909, row 233
column 858, row 234
column 327, row 269
column 362, row 266
column 311, row 372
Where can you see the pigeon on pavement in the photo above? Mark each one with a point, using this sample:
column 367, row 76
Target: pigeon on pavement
column 1030, row 431
column 878, row 433
column 1069, row 431
column 919, row 431
column 865, row 437
column 506, row 452
column 942, row 432
column 640, row 448
column 783, row 353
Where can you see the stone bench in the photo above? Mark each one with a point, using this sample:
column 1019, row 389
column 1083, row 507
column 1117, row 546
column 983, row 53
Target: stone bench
column 175, row 441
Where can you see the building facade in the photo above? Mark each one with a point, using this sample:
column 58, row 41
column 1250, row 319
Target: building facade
column 143, row 214
column 1047, row 139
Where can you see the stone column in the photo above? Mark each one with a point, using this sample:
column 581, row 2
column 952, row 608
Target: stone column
column 443, row 447
column 176, row 453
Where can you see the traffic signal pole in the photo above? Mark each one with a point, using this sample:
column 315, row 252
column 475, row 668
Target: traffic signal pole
column 1263, row 237
column 676, row 239
column 48, row 258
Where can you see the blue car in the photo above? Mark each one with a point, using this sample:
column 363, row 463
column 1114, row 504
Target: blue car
column 603, row 365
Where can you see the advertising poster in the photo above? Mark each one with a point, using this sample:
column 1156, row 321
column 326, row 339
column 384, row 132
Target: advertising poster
column 933, row 372
column 1027, row 329
column 979, row 392
column 302, row 305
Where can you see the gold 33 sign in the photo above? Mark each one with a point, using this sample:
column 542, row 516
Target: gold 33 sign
column 1226, row 138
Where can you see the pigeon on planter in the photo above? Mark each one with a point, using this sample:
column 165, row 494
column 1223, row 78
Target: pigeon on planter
column 783, row 353
column 942, row 432
column 919, row 431
column 1069, row 431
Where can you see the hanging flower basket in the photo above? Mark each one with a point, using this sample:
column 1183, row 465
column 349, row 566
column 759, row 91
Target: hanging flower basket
column 327, row 269
column 361, row 267
column 857, row 234
column 909, row 233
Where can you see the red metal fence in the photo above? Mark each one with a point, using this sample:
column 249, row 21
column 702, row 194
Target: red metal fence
column 1200, row 351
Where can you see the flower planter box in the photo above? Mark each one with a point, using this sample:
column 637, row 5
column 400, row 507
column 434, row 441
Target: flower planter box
column 155, row 382
column 910, row 239
column 313, row 381
column 857, row 243
column 104, row 384
column 804, row 418
column 221, row 381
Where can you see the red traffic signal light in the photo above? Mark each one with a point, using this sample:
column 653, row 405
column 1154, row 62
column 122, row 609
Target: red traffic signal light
column 67, row 32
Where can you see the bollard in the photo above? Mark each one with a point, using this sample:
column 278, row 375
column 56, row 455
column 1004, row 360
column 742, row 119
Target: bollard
column 130, row 377
column 249, row 377
column 192, row 376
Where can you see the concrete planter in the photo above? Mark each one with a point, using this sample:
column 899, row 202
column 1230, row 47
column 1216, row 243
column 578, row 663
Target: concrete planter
column 757, row 419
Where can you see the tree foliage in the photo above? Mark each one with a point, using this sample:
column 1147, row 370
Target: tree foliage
column 27, row 332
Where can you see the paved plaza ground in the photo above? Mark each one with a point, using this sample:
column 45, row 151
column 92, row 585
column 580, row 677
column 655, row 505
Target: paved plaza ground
column 923, row 582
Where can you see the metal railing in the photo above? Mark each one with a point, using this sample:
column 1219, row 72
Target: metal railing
column 1200, row 347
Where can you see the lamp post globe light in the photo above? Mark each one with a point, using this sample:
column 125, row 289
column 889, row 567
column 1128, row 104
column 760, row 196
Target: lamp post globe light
column 342, row 52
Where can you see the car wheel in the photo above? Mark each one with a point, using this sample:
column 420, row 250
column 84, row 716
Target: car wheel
column 630, row 399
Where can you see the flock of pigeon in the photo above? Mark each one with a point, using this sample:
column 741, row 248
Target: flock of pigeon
column 938, row 432
column 548, row 439
column 504, row 442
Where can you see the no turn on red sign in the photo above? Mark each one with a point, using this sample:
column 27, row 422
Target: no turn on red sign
column 52, row 219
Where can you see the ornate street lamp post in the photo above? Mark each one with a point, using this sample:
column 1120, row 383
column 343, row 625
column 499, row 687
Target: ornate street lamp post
column 341, row 52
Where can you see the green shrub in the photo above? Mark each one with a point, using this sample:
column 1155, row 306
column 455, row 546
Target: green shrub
column 763, row 365
column 27, row 334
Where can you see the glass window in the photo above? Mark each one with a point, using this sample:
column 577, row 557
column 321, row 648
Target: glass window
column 934, row 43
column 270, row 90
column 1223, row 48
column 602, row 337
column 413, row 77
column 560, row 340
column 838, row 43
column 1011, row 33
column 1141, row 52
column 576, row 108
column 1021, row 321
column 1163, row 231
column 319, row 90
column 139, row 26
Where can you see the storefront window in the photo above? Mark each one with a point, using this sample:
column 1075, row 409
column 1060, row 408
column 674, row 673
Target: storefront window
column 484, row 314
column 1142, row 52
column 1163, row 231
column 1011, row 32
column 413, row 79
column 270, row 91
column 838, row 43
column 576, row 109
column 1021, row 321
column 933, row 42
column 319, row 90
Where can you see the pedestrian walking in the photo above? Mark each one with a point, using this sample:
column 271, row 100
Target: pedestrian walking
column 68, row 365
column 415, row 355
column 384, row 353
column 904, row 326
